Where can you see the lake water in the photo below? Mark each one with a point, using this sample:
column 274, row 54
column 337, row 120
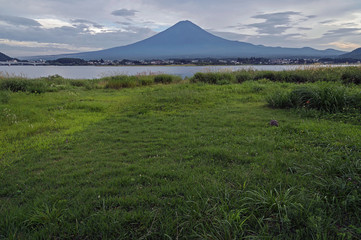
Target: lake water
column 92, row 72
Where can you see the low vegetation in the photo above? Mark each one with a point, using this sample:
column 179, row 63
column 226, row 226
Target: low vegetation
column 108, row 159
column 56, row 82
column 117, row 82
column 347, row 75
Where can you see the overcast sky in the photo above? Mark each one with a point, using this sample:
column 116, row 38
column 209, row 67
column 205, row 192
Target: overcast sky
column 42, row 27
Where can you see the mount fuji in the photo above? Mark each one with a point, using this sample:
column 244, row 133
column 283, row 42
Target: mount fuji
column 187, row 40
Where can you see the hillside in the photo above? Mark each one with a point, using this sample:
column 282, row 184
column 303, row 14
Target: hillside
column 187, row 40
column 355, row 54
column 4, row 57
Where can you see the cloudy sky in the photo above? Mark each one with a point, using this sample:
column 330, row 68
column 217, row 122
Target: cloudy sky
column 42, row 27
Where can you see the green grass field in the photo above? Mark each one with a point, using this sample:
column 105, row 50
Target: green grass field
column 177, row 161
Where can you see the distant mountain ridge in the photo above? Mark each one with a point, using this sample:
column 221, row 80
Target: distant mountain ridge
column 355, row 54
column 4, row 57
column 187, row 40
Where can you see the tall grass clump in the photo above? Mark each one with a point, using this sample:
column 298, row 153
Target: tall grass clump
column 279, row 99
column 351, row 75
column 23, row 85
column 218, row 78
column 166, row 78
column 270, row 75
column 4, row 97
column 295, row 76
column 121, row 81
column 244, row 75
column 325, row 97
column 14, row 85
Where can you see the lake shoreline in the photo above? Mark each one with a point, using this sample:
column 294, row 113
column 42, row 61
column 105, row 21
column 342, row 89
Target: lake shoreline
column 96, row 72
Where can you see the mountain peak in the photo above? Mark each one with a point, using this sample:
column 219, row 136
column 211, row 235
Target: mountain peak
column 185, row 22
column 184, row 34
column 185, row 26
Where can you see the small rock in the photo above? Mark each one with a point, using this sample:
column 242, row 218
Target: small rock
column 273, row 123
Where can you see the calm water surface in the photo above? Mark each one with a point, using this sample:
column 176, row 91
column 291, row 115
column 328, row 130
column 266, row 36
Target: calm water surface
column 91, row 72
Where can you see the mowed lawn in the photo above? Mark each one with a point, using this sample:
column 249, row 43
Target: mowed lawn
column 177, row 161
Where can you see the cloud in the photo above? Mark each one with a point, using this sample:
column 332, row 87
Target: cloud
column 124, row 12
column 342, row 32
column 78, row 36
column 275, row 23
column 33, row 44
column 344, row 45
column 276, row 17
column 124, row 23
column 19, row 21
column 304, row 28
column 52, row 23
column 86, row 22
column 327, row 21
